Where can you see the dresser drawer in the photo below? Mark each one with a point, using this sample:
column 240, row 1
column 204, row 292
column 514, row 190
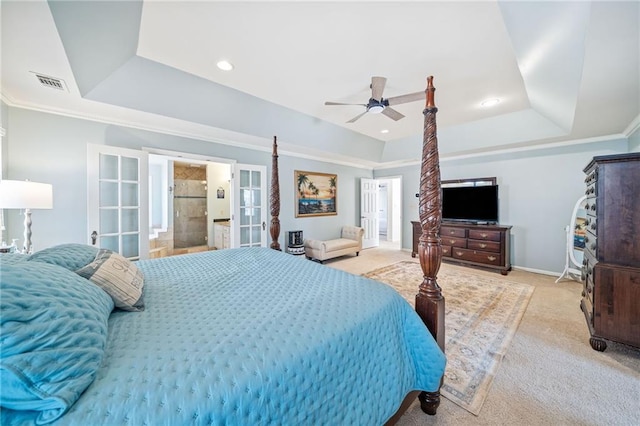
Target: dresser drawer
column 446, row 251
column 476, row 256
column 477, row 234
column 589, row 288
column 587, row 306
column 591, row 244
column 493, row 246
column 591, row 222
column 455, row 242
column 446, row 231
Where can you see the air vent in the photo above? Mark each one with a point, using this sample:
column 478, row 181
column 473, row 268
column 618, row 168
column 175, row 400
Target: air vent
column 52, row 82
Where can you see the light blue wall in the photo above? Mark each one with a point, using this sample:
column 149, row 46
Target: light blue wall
column 49, row 148
column 4, row 111
column 634, row 141
column 538, row 190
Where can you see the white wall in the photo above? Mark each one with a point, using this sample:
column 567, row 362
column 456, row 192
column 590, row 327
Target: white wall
column 538, row 190
column 51, row 148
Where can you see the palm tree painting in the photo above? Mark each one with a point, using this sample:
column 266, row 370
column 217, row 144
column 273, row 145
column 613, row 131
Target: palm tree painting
column 316, row 194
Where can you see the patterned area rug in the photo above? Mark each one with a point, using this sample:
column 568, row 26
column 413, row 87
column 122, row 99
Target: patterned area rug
column 481, row 317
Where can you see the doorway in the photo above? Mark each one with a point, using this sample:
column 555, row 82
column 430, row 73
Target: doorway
column 189, row 202
column 381, row 212
column 390, row 212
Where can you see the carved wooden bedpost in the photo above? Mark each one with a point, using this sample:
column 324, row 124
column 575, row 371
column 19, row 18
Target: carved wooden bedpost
column 274, row 198
column 429, row 300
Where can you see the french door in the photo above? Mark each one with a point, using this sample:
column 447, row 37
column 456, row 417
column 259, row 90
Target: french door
column 250, row 208
column 117, row 201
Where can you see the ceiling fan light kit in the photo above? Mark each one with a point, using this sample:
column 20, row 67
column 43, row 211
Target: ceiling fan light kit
column 376, row 109
column 379, row 105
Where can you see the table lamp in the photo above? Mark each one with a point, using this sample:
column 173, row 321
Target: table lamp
column 16, row 194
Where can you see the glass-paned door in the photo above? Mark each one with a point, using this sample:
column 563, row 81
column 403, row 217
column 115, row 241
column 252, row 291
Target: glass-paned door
column 118, row 211
column 249, row 219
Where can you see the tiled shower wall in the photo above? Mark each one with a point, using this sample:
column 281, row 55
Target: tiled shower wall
column 189, row 206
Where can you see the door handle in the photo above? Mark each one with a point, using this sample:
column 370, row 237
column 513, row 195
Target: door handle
column 94, row 237
column 264, row 226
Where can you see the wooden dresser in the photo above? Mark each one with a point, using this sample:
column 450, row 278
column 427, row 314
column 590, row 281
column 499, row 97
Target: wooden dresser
column 486, row 246
column 611, row 266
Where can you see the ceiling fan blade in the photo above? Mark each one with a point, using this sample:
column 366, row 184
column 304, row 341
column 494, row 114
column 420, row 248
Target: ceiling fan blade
column 403, row 99
column 354, row 119
column 340, row 103
column 392, row 113
column 377, row 87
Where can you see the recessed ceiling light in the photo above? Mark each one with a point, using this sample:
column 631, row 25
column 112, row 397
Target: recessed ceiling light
column 225, row 65
column 384, row 131
column 490, row 102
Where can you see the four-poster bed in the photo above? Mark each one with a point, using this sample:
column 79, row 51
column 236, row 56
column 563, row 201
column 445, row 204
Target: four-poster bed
column 237, row 336
column 429, row 300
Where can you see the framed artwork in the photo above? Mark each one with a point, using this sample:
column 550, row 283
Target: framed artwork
column 316, row 194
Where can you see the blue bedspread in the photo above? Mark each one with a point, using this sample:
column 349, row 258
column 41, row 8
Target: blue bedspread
column 254, row 336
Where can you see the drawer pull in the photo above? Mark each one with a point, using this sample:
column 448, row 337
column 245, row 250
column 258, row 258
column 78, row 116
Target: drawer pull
column 491, row 258
column 483, row 245
column 483, row 235
column 452, row 232
column 459, row 253
column 452, row 242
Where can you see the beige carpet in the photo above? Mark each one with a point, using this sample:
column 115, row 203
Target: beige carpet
column 482, row 314
column 550, row 376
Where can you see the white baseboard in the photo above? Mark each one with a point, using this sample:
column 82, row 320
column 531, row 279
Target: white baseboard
column 537, row 271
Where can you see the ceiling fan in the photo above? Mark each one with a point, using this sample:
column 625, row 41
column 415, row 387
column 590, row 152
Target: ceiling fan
column 379, row 105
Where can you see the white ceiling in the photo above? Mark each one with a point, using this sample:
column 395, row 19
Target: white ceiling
column 562, row 70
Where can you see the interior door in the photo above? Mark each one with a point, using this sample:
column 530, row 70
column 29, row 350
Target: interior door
column 369, row 212
column 249, row 200
column 117, row 200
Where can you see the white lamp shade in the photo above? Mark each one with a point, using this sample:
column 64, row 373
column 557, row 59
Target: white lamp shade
column 18, row 194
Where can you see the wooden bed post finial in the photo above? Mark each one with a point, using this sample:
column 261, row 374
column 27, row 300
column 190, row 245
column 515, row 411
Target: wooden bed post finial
column 430, row 93
column 274, row 199
column 429, row 300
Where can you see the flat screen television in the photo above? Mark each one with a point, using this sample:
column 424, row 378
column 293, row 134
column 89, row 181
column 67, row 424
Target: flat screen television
column 470, row 203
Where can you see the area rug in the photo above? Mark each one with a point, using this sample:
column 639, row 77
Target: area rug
column 481, row 316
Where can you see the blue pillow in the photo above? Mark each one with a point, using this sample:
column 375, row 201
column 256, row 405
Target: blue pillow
column 70, row 256
column 53, row 332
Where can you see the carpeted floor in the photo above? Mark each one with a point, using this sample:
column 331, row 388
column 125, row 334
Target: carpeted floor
column 482, row 315
column 549, row 374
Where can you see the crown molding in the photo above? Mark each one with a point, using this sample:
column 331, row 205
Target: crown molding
column 197, row 135
column 316, row 156
column 632, row 127
column 444, row 158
